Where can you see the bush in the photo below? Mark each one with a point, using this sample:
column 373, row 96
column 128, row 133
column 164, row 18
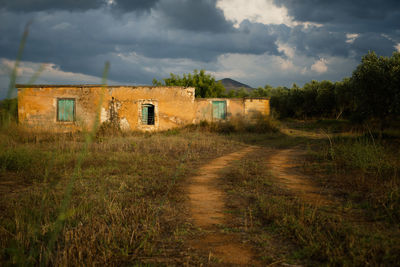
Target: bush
column 108, row 128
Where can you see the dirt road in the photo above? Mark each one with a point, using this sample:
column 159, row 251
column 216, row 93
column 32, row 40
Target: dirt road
column 207, row 205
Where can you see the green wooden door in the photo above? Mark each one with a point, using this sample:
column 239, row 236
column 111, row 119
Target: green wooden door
column 66, row 109
column 219, row 110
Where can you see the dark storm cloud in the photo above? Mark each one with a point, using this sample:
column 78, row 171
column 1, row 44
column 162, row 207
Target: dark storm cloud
column 74, row 5
column 132, row 5
column 377, row 22
column 248, row 39
column 373, row 42
column 368, row 18
column 315, row 41
column 320, row 41
column 354, row 15
column 81, row 42
column 40, row 5
column 194, row 15
column 144, row 38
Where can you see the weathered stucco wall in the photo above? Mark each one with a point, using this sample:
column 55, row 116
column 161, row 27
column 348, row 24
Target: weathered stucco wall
column 173, row 106
column 123, row 106
column 253, row 107
column 235, row 107
column 37, row 106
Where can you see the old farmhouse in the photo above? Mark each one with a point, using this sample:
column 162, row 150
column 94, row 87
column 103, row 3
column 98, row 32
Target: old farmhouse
column 148, row 108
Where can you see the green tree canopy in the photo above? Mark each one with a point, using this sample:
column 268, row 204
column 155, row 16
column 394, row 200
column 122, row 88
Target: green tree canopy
column 376, row 88
column 205, row 84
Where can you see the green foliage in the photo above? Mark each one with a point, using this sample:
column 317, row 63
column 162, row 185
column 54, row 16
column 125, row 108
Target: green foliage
column 242, row 92
column 315, row 99
column 205, row 84
column 372, row 94
column 376, row 88
column 343, row 98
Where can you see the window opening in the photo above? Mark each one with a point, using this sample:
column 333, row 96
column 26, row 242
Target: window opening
column 148, row 114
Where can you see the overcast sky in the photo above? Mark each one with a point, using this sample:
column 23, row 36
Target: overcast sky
column 257, row 42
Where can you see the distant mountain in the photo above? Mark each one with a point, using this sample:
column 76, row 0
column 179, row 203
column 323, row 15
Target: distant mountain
column 231, row 84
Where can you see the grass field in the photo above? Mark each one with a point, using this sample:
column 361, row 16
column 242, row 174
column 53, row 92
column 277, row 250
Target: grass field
column 119, row 199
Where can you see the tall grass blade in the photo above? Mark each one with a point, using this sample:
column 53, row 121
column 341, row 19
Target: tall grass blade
column 63, row 210
column 14, row 73
column 11, row 111
column 37, row 73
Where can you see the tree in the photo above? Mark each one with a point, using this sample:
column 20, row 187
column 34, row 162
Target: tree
column 205, row 84
column 267, row 91
column 325, row 99
column 376, row 89
column 343, row 98
column 242, row 92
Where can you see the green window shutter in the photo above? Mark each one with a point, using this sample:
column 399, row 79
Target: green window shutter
column 219, row 110
column 145, row 114
column 60, row 110
column 66, row 110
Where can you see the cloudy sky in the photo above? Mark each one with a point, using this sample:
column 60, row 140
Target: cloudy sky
column 258, row 42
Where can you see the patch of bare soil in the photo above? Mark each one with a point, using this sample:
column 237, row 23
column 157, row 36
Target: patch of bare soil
column 206, row 205
column 284, row 165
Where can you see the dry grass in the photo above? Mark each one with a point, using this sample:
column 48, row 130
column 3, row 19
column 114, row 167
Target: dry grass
column 364, row 171
column 125, row 205
column 286, row 229
column 359, row 228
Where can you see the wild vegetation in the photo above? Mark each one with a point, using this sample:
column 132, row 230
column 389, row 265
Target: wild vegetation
column 127, row 203
column 112, row 198
column 371, row 94
column 359, row 228
column 125, row 206
column 205, row 84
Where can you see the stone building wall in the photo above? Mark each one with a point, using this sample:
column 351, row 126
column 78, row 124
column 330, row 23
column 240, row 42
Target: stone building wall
column 247, row 108
column 66, row 108
column 38, row 106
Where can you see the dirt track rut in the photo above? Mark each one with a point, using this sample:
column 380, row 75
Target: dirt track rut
column 206, row 205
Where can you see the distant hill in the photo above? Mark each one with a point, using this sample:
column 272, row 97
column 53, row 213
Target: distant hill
column 231, row 84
